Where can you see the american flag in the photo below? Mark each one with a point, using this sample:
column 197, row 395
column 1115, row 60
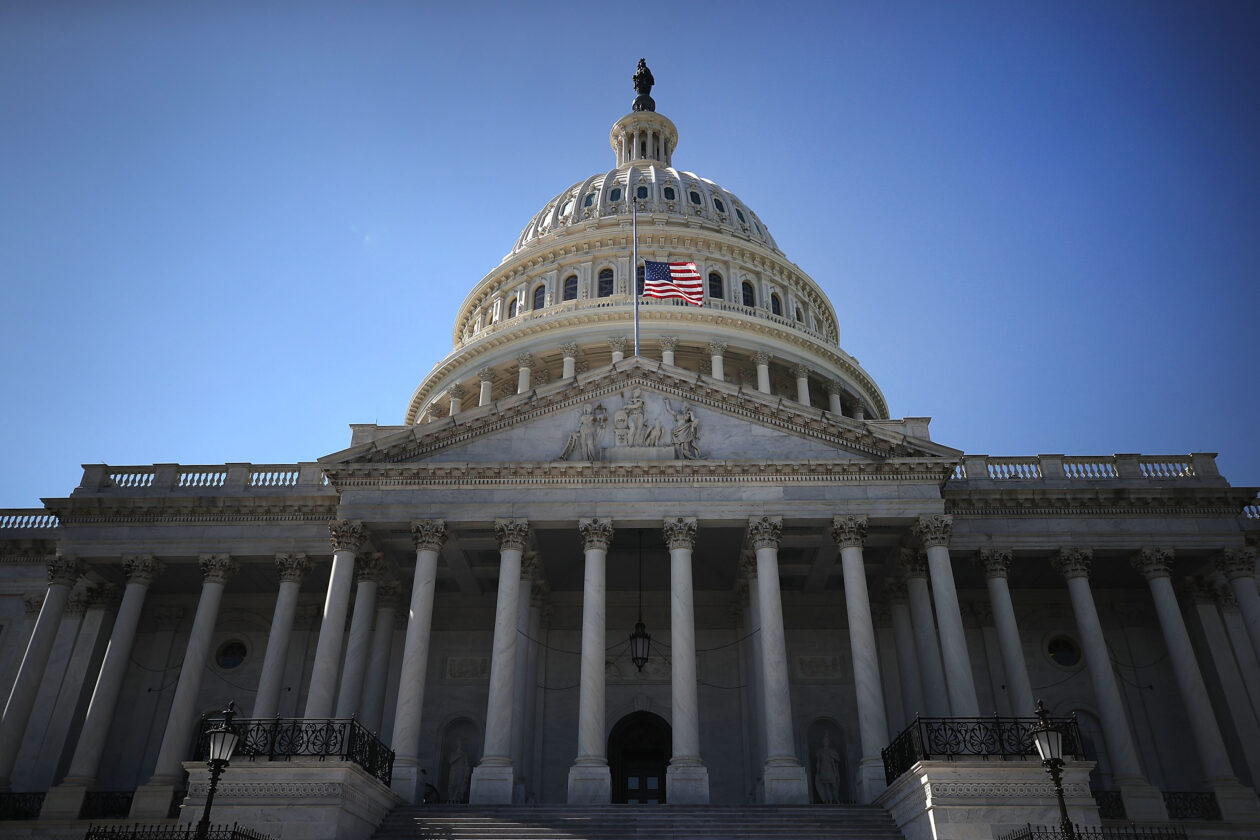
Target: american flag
column 673, row 280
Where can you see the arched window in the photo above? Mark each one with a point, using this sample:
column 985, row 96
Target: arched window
column 750, row 298
column 605, row 282
column 641, row 192
column 715, row 285
column 775, row 306
column 512, row 308
column 540, row 296
column 799, row 315
column 740, row 214
column 570, row 287
column 638, row 280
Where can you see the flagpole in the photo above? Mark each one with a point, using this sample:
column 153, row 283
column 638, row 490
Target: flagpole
column 634, row 268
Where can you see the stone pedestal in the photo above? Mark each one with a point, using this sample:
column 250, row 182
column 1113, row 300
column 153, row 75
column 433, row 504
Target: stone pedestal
column 1237, row 802
column 590, row 784
column 491, row 783
column 63, row 801
column 870, row 779
column 1143, row 802
column 980, row 800
column 302, row 798
column 687, row 784
column 784, row 784
column 153, row 800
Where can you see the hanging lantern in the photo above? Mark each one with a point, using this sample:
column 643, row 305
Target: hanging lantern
column 640, row 643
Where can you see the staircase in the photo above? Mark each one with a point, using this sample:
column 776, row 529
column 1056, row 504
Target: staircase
column 632, row 822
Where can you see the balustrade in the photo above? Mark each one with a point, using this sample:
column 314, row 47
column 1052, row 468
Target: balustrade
column 27, row 518
column 1093, row 832
column 278, row 739
column 949, row 738
column 1072, row 468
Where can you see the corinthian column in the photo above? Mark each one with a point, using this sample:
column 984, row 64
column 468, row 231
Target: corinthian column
column 783, row 777
column 849, row 532
column 485, row 378
column 292, row 568
column 668, row 344
column 429, row 537
column 1142, row 801
column 368, row 570
column 716, row 349
column 1239, row 566
column 762, row 360
column 687, row 779
column 914, row 568
column 456, row 393
column 63, row 572
column 996, row 564
column 590, row 781
column 346, row 538
column 524, row 364
column 569, row 365
column 934, row 531
column 801, row 374
column 492, row 778
column 372, row 703
column 907, row 654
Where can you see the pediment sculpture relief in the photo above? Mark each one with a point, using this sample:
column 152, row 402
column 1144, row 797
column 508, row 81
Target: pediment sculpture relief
column 637, row 434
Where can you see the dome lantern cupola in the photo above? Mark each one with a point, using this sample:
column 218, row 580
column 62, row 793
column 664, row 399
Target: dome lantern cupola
column 643, row 136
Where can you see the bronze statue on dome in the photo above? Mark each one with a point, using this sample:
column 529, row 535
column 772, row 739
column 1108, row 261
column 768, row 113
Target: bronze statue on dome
column 643, row 82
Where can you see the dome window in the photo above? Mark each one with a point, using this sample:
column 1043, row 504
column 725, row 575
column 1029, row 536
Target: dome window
column 589, row 200
column 567, row 208
column 615, row 195
column 776, row 306
column 570, row 287
column 715, row 285
column 694, row 196
column 718, row 205
column 540, row 296
column 670, row 195
column 740, row 215
column 512, row 308
column 641, row 192
column 749, row 297
column 799, row 316
column 605, row 283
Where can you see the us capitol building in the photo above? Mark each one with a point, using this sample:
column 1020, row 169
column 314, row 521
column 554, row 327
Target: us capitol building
column 715, row 571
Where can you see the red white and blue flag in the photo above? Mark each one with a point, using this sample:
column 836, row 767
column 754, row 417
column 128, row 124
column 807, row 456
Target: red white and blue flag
column 673, row 280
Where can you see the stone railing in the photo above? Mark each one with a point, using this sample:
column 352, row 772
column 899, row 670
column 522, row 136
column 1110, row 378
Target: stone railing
column 1252, row 511
column 1095, row 832
column 278, row 739
column 20, row 806
column 1069, row 469
column 219, row 479
column 187, row 831
column 1192, row 805
column 948, row 739
column 26, row 519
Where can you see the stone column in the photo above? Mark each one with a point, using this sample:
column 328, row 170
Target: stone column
column 62, row 574
column 154, row 797
column 1236, row 802
column 1239, row 566
column 936, row 699
column 756, row 691
column 859, row 411
column 292, row 568
column 1142, row 801
column 367, row 571
column 570, row 351
column 668, row 345
column 1236, row 629
column 783, row 777
column 801, row 373
column 64, row 800
column 716, row 349
column 485, row 377
column 429, row 536
column 618, row 347
column 492, row 778
column 346, row 538
column 762, row 360
column 524, row 363
column 522, row 681
column 687, row 779
column 996, row 565
column 849, row 532
column 590, row 781
column 456, row 394
column 934, row 531
column 834, row 390
column 372, row 700
column 908, row 669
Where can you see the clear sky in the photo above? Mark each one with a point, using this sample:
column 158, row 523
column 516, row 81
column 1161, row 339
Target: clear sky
column 228, row 230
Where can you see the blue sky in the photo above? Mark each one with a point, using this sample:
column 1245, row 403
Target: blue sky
column 229, row 230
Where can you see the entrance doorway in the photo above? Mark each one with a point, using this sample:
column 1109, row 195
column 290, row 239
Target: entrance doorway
column 639, row 749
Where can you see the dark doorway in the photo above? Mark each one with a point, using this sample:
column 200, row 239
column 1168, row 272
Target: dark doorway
column 639, row 750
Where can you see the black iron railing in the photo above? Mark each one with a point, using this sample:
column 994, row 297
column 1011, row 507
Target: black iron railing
column 20, row 806
column 187, row 831
column 951, row 738
column 1191, row 805
column 106, row 804
column 284, row 738
column 1093, row 832
column 1110, row 804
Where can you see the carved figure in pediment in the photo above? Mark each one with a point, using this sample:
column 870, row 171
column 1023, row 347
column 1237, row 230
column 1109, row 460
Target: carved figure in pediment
column 686, row 431
column 583, row 443
column 634, row 417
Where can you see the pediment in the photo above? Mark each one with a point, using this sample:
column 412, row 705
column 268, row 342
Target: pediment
column 638, row 411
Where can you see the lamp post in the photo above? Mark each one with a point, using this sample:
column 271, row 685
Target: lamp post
column 222, row 740
column 640, row 639
column 1049, row 741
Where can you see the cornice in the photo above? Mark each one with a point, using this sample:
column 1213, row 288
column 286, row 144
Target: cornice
column 1115, row 501
column 180, row 510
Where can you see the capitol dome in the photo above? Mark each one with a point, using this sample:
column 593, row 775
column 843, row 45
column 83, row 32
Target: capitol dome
column 559, row 303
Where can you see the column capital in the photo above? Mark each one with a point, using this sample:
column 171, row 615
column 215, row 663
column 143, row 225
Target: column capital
column 934, row 529
column 217, row 568
column 1073, row 562
column 1238, row 562
column 142, row 568
column 1153, row 562
column 717, row 348
column 761, row 357
column 994, row 562
column 913, row 562
column 539, row 591
column 76, row 603
column 456, row 392
column 895, row 591
column 596, row 534
column 389, row 594
column 765, row 531
column 834, row 386
column 1226, row 599
column 529, row 565
column 486, row 374
column 429, row 534
column 370, row 565
column 525, row 360
column 618, row 343
column 512, row 534
column 849, row 531
column 668, row 343
column 99, row 595
column 1201, row 588
column 347, row 534
column 569, row 350
column 680, row 532
column 292, row 567
column 33, row 601
column 800, row 371
column 64, row 570
column 748, row 563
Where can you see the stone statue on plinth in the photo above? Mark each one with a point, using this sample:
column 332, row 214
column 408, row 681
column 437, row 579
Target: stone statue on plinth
column 643, row 82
